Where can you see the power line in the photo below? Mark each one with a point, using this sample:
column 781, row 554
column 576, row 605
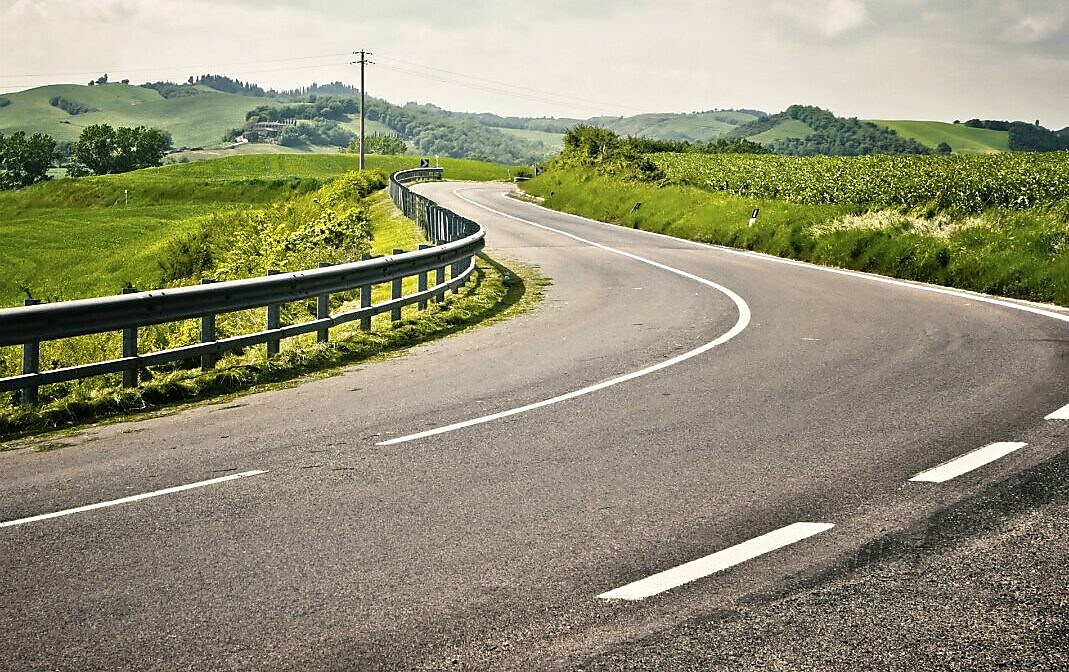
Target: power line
column 541, row 92
column 548, row 98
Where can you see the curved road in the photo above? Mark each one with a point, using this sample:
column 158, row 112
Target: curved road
column 497, row 500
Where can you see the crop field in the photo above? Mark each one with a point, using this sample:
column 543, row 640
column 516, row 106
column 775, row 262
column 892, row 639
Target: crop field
column 962, row 184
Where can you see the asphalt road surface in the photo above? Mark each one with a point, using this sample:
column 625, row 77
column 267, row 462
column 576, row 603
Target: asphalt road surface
column 685, row 458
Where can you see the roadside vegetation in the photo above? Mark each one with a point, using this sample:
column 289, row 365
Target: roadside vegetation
column 219, row 220
column 997, row 224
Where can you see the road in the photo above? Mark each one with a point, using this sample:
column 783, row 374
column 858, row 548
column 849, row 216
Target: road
column 499, row 499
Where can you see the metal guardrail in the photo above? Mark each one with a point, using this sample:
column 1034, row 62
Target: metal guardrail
column 456, row 241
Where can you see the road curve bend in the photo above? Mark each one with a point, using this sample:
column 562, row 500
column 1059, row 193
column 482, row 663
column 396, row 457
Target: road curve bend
column 678, row 429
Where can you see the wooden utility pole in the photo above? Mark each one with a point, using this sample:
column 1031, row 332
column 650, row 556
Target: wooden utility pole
column 363, row 61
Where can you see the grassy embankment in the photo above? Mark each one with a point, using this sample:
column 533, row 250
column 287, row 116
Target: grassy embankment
column 1022, row 253
column 68, row 239
column 81, row 239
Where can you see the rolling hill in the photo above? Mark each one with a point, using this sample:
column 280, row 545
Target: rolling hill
column 199, row 115
column 193, row 121
column 962, row 139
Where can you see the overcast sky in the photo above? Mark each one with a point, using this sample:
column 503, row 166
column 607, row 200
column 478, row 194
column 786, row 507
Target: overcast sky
column 891, row 59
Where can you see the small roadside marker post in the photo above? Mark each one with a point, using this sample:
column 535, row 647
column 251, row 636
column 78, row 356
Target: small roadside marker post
column 753, row 215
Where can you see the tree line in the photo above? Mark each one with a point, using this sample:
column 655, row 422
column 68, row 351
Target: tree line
column 832, row 135
column 429, row 131
column 99, row 150
column 1025, row 137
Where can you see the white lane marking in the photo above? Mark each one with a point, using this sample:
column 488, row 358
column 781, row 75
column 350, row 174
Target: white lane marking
column 717, row 562
column 740, row 325
column 959, row 293
column 1060, row 414
column 133, row 498
column 968, row 462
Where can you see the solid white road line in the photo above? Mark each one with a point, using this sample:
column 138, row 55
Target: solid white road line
column 740, row 325
column 968, row 462
column 1060, row 414
column 133, row 498
column 921, row 287
column 719, row 561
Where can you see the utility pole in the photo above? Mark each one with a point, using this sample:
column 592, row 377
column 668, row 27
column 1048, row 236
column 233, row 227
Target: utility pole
column 363, row 61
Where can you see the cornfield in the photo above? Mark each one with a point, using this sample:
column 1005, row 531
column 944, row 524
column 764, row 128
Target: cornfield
column 964, row 184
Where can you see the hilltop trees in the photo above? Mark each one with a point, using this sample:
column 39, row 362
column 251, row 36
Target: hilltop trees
column 1025, row 137
column 101, row 149
column 25, row 160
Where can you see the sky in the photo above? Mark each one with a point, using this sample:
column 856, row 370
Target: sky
column 887, row 59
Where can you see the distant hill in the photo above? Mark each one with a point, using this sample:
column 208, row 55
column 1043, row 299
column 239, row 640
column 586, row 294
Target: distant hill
column 200, row 113
column 199, row 116
column 962, row 139
column 806, row 130
column 193, row 121
column 693, row 127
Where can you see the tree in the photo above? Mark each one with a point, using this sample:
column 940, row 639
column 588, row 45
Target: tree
column 91, row 153
column 25, row 161
column 380, row 143
column 101, row 149
column 943, row 148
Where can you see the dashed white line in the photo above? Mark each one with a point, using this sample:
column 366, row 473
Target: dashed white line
column 1060, row 414
column 717, row 562
column 740, row 325
column 967, row 462
column 133, row 498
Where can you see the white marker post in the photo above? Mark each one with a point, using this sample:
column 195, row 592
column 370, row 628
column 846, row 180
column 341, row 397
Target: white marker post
column 753, row 215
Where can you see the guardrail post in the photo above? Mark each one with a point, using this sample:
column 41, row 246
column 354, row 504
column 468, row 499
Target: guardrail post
column 439, row 278
column 422, row 284
column 395, row 312
column 365, row 299
column 454, row 272
column 274, row 317
column 129, row 349
column 31, row 361
column 207, row 334
column 323, row 310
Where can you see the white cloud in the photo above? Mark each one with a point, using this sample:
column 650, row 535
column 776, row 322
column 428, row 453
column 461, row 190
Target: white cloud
column 842, row 16
column 886, row 58
column 1037, row 27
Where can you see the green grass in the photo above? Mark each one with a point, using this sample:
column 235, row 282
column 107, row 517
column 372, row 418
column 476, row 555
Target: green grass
column 695, row 127
column 65, row 254
column 193, row 121
column 1017, row 253
column 75, row 238
column 962, row 139
column 553, row 142
column 788, row 128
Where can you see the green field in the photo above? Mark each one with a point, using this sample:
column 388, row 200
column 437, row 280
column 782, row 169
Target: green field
column 551, row 141
column 790, row 128
column 193, row 121
column 962, row 139
column 75, row 238
column 695, row 127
